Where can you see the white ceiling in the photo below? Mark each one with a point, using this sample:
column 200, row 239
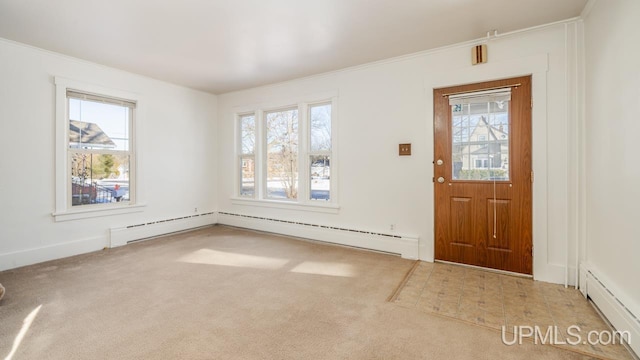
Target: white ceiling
column 224, row 45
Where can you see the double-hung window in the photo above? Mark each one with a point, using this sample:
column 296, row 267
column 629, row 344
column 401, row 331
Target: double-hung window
column 320, row 152
column 96, row 162
column 247, row 155
column 281, row 155
column 286, row 155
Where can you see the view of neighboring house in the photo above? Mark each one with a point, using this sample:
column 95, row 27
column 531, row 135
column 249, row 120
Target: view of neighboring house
column 480, row 147
column 83, row 134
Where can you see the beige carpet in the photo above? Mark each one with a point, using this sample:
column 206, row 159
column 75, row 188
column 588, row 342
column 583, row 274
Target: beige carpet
column 224, row 293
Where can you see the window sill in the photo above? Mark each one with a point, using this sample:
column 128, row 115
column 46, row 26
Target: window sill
column 97, row 212
column 328, row 208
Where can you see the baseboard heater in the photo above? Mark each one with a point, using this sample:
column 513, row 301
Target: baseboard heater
column 404, row 245
column 621, row 317
column 136, row 232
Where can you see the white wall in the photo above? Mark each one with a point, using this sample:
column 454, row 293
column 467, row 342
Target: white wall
column 612, row 128
column 176, row 152
column 379, row 106
column 390, row 102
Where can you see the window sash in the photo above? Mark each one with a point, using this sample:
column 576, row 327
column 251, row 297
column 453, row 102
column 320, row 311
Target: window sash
column 241, row 160
column 131, row 180
column 241, row 119
column 130, row 105
column 319, row 180
column 289, row 179
column 327, row 151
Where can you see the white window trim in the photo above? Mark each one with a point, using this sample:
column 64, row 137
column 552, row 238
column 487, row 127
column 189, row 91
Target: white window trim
column 63, row 210
column 303, row 202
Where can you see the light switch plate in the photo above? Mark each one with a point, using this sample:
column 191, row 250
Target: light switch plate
column 404, row 150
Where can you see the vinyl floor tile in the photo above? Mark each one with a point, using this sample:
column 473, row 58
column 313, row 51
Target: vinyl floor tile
column 495, row 301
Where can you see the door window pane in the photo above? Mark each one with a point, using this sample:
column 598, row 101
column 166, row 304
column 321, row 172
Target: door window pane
column 282, row 154
column 480, row 141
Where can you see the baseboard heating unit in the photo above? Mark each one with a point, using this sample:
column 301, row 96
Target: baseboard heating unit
column 404, row 245
column 619, row 312
column 135, row 232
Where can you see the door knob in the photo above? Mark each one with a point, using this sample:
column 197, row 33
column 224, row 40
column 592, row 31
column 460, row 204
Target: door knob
column 439, row 162
column 440, row 179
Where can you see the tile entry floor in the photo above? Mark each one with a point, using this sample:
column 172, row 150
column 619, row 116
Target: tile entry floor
column 494, row 300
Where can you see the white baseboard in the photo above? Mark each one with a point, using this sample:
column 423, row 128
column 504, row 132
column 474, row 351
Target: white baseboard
column 612, row 305
column 52, row 252
column 123, row 235
column 554, row 273
column 404, row 245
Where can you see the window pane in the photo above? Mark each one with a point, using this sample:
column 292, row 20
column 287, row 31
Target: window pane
column 248, row 184
column 248, row 130
column 320, row 116
column 320, row 177
column 94, row 125
column 480, row 141
column 282, row 154
column 99, row 178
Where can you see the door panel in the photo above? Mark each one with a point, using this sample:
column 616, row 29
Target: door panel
column 483, row 193
column 461, row 226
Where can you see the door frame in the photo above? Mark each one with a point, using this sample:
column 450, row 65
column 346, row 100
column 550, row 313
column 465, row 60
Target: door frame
column 537, row 67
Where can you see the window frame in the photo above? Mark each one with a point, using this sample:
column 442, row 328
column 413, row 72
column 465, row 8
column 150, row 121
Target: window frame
column 264, row 154
column 240, row 155
column 303, row 201
column 64, row 210
column 310, row 152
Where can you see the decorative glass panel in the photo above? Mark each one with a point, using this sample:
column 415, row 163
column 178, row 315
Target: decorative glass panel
column 282, row 154
column 320, row 171
column 480, row 140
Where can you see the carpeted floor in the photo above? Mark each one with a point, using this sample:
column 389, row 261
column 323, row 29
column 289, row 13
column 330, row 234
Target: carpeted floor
column 225, row 293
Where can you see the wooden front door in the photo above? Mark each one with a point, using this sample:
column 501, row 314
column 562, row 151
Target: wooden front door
column 483, row 174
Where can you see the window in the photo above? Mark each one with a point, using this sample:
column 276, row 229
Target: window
column 282, row 154
column 95, row 158
column 99, row 149
column 247, row 155
column 320, row 151
column 286, row 155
